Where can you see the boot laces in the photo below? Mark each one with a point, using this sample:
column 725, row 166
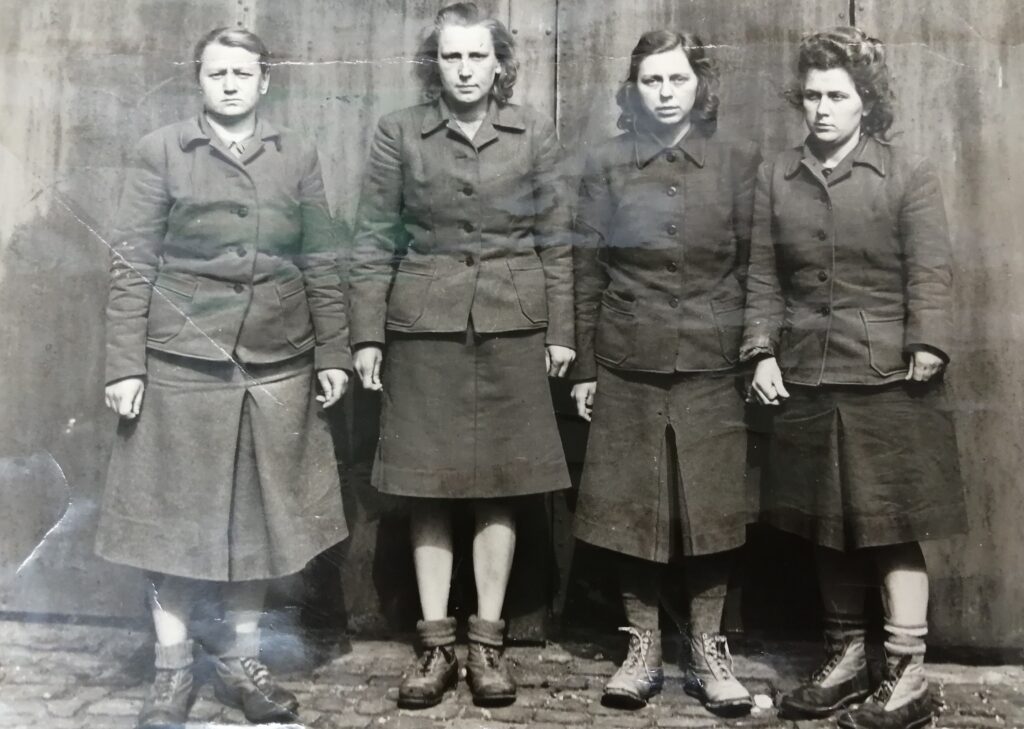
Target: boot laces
column 492, row 656
column 429, row 660
column 258, row 673
column 165, row 685
column 830, row 664
column 639, row 646
column 885, row 689
column 716, row 648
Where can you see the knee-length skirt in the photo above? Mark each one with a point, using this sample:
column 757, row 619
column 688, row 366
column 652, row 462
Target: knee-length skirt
column 468, row 416
column 665, row 469
column 227, row 474
column 857, row 466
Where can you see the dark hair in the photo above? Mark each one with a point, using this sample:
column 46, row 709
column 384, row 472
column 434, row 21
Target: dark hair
column 467, row 15
column 705, row 105
column 861, row 56
column 233, row 38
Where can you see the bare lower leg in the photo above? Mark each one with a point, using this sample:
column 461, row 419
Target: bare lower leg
column 707, row 582
column 243, row 608
column 171, row 603
column 431, row 534
column 494, row 545
column 904, row 577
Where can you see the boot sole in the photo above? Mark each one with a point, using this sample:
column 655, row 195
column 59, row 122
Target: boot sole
column 234, row 701
column 425, row 702
column 725, row 709
column 620, row 700
column 494, row 700
column 820, row 712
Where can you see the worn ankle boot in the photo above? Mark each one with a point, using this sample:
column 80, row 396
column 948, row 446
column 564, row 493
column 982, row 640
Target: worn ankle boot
column 245, row 683
column 641, row 675
column 901, row 701
column 436, row 669
column 841, row 680
column 170, row 697
column 710, row 679
column 488, row 674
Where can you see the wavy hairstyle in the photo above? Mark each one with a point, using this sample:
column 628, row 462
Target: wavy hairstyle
column 861, row 56
column 705, row 105
column 467, row 15
column 233, row 38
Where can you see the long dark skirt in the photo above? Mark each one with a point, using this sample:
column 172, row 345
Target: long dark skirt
column 857, row 466
column 665, row 470
column 468, row 416
column 227, row 474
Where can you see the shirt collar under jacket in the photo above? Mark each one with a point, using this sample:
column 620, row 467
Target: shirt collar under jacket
column 499, row 116
column 869, row 152
column 198, row 130
column 693, row 145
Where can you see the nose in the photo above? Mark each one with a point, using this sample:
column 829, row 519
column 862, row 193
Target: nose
column 666, row 90
column 230, row 84
column 464, row 71
column 824, row 107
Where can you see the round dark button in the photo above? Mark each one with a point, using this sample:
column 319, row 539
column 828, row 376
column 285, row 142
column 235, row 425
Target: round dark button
column 467, row 190
column 671, row 266
column 674, row 303
column 467, row 226
column 823, row 275
column 239, row 288
column 670, row 156
column 240, row 252
column 671, row 192
column 242, row 211
column 671, row 228
column 825, row 310
column 469, row 260
column 822, row 235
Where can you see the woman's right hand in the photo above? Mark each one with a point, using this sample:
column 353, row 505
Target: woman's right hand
column 124, row 397
column 367, row 366
column 767, row 383
column 583, row 393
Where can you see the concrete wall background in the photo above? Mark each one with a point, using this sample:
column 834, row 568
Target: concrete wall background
column 81, row 82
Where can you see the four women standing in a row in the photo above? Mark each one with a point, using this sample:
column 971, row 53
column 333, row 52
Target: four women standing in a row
column 467, row 291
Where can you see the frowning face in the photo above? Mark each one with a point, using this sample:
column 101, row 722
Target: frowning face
column 231, row 80
column 468, row 64
column 667, row 86
column 833, row 110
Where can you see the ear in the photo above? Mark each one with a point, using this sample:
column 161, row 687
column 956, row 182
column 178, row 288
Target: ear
column 264, row 82
column 865, row 112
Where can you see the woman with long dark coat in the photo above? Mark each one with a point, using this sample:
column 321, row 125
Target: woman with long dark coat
column 663, row 234
column 461, row 288
column 850, row 320
column 225, row 313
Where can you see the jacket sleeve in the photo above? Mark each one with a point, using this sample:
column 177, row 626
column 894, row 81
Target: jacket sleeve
column 320, row 272
column 594, row 212
column 928, row 259
column 765, row 303
column 378, row 227
column 139, row 231
column 552, row 233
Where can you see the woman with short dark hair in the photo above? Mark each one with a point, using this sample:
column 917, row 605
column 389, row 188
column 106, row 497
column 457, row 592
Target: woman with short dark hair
column 225, row 313
column 850, row 321
column 662, row 237
column 462, row 275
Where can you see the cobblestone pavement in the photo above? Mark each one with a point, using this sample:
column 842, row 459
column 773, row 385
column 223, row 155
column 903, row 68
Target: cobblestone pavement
column 59, row 676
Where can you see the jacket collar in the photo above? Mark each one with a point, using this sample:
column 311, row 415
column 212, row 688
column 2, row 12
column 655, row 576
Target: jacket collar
column 507, row 117
column 869, row 152
column 197, row 130
column 694, row 146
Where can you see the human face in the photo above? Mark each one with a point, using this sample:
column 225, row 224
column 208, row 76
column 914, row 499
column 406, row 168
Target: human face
column 667, row 86
column 231, row 80
column 468, row 65
column 833, row 110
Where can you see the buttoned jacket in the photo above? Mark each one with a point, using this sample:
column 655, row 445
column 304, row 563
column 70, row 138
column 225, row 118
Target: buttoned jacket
column 662, row 242
column 451, row 228
column 849, row 273
column 217, row 257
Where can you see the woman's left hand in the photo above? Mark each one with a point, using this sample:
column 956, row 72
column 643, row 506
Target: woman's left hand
column 333, row 383
column 924, row 366
column 557, row 359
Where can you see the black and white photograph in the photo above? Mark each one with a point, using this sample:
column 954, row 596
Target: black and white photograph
column 512, row 364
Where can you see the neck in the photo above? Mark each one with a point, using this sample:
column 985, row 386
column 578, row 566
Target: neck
column 670, row 136
column 233, row 128
column 832, row 154
column 468, row 113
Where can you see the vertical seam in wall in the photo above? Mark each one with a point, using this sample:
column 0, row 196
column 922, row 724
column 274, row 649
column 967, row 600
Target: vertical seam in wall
column 557, row 106
column 853, row 12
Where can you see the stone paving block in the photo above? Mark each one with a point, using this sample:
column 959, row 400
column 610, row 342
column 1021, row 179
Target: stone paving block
column 624, row 721
column 687, row 722
column 552, row 716
column 374, row 707
column 343, row 721
column 514, row 714
column 447, row 709
column 113, row 707
column 73, row 701
column 405, row 721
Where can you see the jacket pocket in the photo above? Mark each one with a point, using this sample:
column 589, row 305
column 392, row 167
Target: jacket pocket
column 408, row 296
column 615, row 339
column 531, row 290
column 729, row 323
column 295, row 315
column 884, row 336
column 170, row 306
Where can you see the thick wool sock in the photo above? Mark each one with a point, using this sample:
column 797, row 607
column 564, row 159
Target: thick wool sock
column 707, row 582
column 640, row 584
column 174, row 657
column 436, row 633
column 487, row 632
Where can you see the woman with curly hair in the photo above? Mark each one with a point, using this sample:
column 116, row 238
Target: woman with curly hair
column 461, row 286
column 663, row 235
column 850, row 321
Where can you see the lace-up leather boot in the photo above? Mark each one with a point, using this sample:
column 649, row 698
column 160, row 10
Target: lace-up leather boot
column 641, row 675
column 488, row 674
column 841, row 680
column 436, row 670
column 246, row 684
column 710, row 679
column 169, row 698
column 901, row 701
